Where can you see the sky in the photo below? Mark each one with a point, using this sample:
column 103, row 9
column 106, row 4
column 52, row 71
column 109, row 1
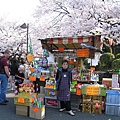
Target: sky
column 17, row 9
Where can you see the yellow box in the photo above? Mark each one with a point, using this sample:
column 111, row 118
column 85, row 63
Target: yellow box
column 22, row 99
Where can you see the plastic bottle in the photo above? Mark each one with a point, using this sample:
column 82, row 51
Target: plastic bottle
column 97, row 77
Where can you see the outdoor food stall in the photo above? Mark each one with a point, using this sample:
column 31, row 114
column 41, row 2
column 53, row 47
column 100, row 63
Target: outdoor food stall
column 76, row 49
column 86, row 92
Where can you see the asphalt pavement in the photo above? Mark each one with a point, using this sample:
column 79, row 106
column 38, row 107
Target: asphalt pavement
column 7, row 112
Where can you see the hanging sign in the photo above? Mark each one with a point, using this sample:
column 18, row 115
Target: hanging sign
column 61, row 49
column 83, row 52
column 21, row 100
column 30, row 57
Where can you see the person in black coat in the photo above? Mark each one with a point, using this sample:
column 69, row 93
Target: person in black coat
column 13, row 71
column 63, row 83
column 14, row 67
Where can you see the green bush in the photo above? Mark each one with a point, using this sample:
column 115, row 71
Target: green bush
column 106, row 60
column 118, row 56
column 116, row 65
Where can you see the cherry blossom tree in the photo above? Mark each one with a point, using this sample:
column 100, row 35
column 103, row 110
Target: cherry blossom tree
column 64, row 18
column 11, row 36
column 78, row 18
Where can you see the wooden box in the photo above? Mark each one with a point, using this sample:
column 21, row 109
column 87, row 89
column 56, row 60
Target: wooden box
column 86, row 108
column 97, row 108
column 22, row 110
column 37, row 113
column 97, row 99
column 86, row 98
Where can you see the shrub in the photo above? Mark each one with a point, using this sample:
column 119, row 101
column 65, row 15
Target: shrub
column 116, row 65
column 118, row 56
column 106, row 60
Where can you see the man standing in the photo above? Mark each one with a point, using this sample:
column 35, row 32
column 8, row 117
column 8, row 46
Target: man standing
column 4, row 75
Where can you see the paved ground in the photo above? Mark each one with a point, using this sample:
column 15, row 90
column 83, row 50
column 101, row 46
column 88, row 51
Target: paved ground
column 8, row 113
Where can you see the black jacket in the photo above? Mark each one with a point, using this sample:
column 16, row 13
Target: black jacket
column 59, row 76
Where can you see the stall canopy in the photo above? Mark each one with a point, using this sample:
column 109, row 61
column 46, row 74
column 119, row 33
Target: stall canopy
column 70, row 42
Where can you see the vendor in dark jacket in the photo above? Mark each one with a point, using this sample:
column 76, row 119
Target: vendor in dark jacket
column 19, row 76
column 63, row 81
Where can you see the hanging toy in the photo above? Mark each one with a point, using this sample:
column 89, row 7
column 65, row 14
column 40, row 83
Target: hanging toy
column 45, row 53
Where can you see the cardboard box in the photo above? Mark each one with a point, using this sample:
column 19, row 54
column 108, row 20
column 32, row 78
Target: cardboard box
column 107, row 82
column 37, row 113
column 22, row 110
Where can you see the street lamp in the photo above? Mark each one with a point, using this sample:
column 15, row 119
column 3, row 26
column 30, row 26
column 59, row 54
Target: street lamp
column 26, row 26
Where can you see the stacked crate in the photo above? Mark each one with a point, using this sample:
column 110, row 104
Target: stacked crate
column 86, row 103
column 113, row 102
column 97, row 104
column 92, row 104
column 92, row 98
column 22, row 102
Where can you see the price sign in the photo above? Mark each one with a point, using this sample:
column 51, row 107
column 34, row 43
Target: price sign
column 35, row 109
column 21, row 100
column 83, row 52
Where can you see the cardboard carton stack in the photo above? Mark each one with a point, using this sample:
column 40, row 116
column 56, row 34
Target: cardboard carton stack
column 92, row 98
column 29, row 103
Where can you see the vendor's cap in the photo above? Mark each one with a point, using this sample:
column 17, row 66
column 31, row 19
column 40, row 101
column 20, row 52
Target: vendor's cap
column 21, row 66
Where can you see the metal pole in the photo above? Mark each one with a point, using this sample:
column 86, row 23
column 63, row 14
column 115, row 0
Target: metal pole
column 27, row 36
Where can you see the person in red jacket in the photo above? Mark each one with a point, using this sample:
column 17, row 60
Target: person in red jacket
column 4, row 76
